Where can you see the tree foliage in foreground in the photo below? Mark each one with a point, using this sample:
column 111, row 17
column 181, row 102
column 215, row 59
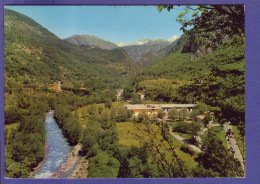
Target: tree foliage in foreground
column 160, row 145
column 216, row 161
column 211, row 25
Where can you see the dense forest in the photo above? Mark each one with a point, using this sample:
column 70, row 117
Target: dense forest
column 205, row 66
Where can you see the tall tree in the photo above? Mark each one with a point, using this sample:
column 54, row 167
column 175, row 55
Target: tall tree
column 209, row 25
column 216, row 159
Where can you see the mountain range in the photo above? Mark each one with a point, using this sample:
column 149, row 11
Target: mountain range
column 135, row 50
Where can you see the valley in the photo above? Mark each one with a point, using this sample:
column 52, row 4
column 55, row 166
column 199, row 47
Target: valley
column 86, row 107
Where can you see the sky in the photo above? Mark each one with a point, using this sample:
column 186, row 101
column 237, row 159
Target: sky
column 121, row 24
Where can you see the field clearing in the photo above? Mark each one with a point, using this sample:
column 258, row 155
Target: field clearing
column 128, row 139
column 124, row 135
column 83, row 111
column 187, row 158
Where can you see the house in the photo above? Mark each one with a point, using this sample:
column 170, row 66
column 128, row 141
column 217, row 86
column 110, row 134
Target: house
column 168, row 107
column 58, row 87
column 140, row 95
column 149, row 109
column 119, row 93
column 200, row 118
column 154, row 109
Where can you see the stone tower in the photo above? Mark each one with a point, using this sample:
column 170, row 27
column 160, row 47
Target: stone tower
column 59, row 87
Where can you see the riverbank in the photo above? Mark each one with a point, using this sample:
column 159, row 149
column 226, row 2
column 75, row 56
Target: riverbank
column 71, row 162
column 35, row 170
column 81, row 170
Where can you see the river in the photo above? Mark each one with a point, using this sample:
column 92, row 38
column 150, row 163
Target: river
column 57, row 149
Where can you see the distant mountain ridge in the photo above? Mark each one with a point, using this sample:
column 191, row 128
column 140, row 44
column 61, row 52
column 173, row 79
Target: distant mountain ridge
column 91, row 40
column 151, row 57
column 135, row 49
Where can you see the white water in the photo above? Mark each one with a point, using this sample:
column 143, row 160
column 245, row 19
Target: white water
column 57, row 149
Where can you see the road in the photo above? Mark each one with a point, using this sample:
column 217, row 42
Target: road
column 233, row 145
column 184, row 141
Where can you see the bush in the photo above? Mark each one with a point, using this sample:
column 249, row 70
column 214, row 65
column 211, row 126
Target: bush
column 185, row 148
column 182, row 127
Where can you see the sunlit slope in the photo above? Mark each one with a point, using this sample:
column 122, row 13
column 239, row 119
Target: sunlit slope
column 34, row 53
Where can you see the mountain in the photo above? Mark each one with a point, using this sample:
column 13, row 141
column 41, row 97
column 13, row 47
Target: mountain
column 91, row 40
column 33, row 54
column 135, row 49
column 151, row 57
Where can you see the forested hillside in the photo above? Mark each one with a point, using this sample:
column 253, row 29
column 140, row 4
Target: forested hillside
column 36, row 54
column 211, row 78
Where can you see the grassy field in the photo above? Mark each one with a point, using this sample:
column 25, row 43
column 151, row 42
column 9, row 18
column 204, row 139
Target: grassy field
column 83, row 111
column 187, row 158
column 238, row 139
column 127, row 138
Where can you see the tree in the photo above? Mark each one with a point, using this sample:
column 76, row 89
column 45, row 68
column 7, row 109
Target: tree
column 183, row 113
column 124, row 169
column 108, row 103
column 76, row 115
column 105, row 115
column 135, row 99
column 113, row 113
column 122, row 114
column 207, row 119
column 162, row 150
column 173, row 114
column 128, row 92
column 142, row 116
column 194, row 113
column 216, row 158
column 92, row 110
column 161, row 114
column 210, row 25
column 100, row 109
column 195, row 128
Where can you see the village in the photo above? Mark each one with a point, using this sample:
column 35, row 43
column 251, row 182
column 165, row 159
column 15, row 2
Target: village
column 185, row 112
column 178, row 117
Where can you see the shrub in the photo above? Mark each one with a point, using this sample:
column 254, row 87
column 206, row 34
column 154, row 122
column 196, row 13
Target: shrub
column 182, row 127
column 185, row 148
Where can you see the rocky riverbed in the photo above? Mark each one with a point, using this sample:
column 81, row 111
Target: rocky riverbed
column 73, row 159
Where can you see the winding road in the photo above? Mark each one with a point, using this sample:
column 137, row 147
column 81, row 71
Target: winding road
column 233, row 145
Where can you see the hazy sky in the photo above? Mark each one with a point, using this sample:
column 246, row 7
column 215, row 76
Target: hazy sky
column 115, row 23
